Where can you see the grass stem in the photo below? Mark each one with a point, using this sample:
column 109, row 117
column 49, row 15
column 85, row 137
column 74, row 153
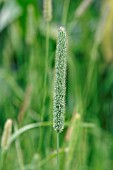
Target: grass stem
column 18, row 149
column 46, row 69
column 57, row 151
column 65, row 12
column 2, row 159
column 45, row 81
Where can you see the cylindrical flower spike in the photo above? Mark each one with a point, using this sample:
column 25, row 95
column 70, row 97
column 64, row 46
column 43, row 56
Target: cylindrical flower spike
column 60, row 81
column 47, row 10
column 6, row 134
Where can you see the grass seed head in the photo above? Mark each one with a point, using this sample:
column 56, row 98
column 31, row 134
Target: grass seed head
column 6, row 134
column 60, row 81
column 47, row 10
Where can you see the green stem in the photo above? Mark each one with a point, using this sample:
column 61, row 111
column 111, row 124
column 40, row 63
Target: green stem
column 57, row 151
column 45, row 81
column 18, row 149
column 46, row 69
column 65, row 12
column 3, row 154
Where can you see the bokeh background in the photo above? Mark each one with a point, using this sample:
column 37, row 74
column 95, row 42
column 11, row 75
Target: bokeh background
column 87, row 140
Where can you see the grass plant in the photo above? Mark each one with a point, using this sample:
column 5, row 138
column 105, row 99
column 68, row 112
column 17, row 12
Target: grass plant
column 30, row 93
column 60, row 86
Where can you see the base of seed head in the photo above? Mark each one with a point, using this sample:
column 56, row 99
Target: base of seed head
column 58, row 125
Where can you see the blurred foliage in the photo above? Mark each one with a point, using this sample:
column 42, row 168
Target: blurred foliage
column 87, row 141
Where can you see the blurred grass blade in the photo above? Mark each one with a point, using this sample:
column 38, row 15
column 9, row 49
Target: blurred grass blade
column 18, row 149
column 43, row 124
column 82, row 8
column 28, row 127
column 47, row 159
column 8, row 79
column 9, row 13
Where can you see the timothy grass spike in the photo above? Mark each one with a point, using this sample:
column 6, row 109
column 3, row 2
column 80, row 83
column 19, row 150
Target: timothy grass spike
column 60, row 81
column 6, row 134
column 47, row 10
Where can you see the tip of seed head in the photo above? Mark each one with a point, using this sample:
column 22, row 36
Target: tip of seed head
column 8, row 123
column 61, row 29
